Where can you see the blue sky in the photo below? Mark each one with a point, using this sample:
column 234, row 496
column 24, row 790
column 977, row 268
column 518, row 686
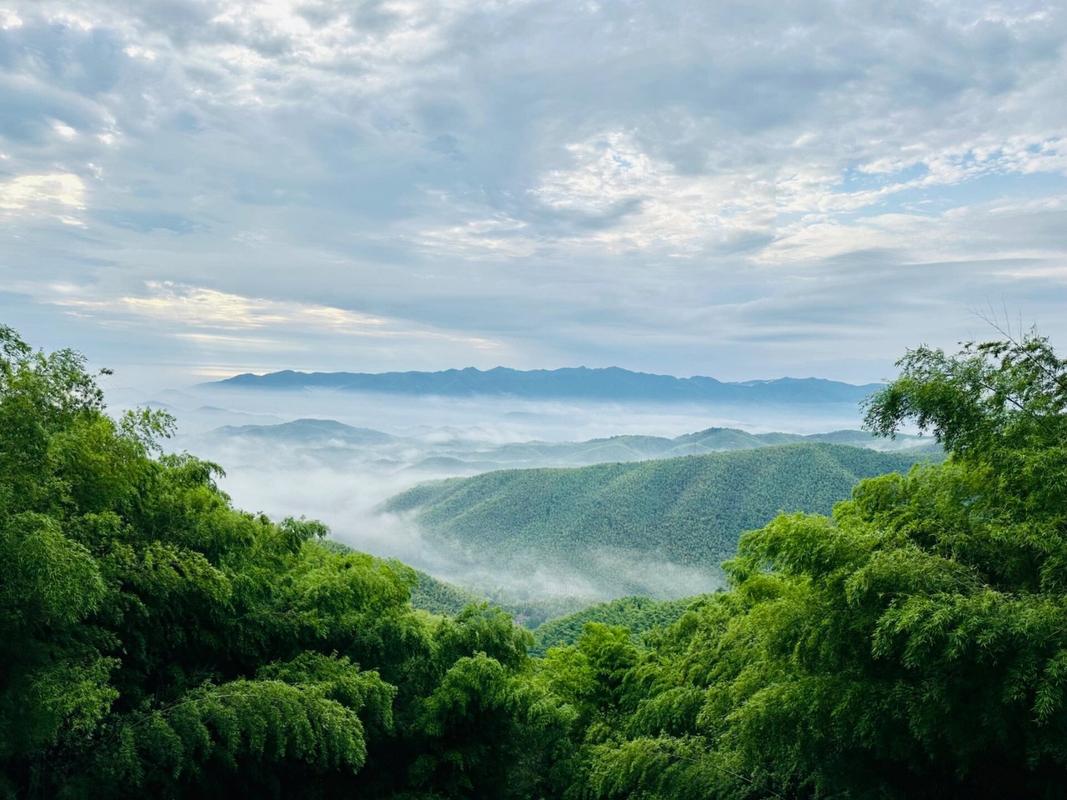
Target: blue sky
column 746, row 190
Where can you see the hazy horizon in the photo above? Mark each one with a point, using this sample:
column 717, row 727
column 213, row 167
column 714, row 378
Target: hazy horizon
column 193, row 191
column 344, row 484
column 543, row 369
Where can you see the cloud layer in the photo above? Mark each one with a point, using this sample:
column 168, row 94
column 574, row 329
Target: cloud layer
column 739, row 189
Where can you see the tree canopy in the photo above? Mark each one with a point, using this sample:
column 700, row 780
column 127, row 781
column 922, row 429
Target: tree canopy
column 913, row 643
column 155, row 640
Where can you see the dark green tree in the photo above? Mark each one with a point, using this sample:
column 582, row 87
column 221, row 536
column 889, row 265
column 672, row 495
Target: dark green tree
column 154, row 640
column 914, row 644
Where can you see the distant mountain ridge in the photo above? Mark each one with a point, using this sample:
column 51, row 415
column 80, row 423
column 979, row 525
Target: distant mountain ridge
column 710, row 440
column 607, row 383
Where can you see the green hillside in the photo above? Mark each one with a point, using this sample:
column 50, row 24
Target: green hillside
column 427, row 592
column 687, row 510
column 156, row 641
column 636, row 614
column 440, row 597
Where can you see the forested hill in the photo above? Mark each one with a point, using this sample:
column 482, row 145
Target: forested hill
column 688, row 510
column 611, row 383
column 157, row 642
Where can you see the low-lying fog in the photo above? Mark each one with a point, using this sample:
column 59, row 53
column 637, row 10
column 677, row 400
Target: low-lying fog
column 492, row 419
column 341, row 481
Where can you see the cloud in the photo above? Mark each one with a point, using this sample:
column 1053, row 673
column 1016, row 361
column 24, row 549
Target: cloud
column 207, row 316
column 197, row 306
column 655, row 206
column 58, row 195
column 9, row 20
column 666, row 186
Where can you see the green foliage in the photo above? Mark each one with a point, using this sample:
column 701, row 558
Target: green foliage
column 642, row 448
column 153, row 640
column 635, row 614
column 301, row 714
column 912, row 645
column 685, row 510
column 441, row 597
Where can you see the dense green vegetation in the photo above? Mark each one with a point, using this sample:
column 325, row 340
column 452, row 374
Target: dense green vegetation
column 911, row 645
column 636, row 614
column 687, row 510
column 155, row 640
column 552, row 621
column 441, row 597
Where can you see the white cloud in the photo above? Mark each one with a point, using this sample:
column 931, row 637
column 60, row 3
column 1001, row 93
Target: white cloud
column 658, row 207
column 208, row 316
column 137, row 51
column 500, row 236
column 64, row 131
column 240, row 343
column 206, row 307
column 812, row 241
column 584, row 182
column 55, row 195
column 9, row 20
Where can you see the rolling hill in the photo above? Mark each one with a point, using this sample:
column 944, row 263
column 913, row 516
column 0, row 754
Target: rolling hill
column 460, row 456
column 686, row 511
column 306, row 432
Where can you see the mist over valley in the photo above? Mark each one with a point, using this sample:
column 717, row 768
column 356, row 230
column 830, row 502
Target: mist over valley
column 352, row 458
column 517, row 400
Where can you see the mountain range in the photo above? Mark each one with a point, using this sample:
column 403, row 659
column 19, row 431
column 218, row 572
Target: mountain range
column 457, row 456
column 584, row 383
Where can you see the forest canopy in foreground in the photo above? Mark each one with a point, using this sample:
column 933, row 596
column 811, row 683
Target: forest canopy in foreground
column 914, row 644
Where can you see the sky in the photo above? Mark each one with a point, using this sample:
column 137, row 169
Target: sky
column 191, row 189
